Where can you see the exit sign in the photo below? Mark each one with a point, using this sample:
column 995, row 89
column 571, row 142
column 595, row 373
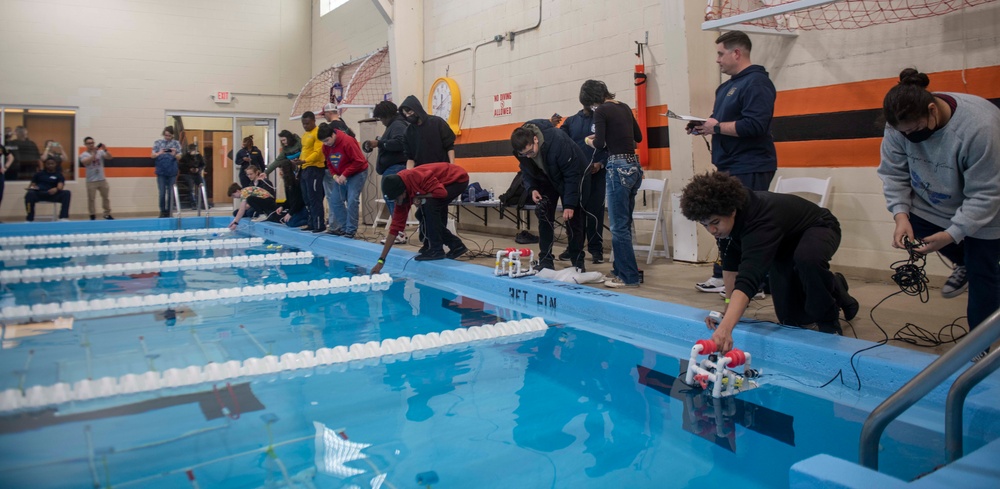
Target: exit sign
column 223, row 97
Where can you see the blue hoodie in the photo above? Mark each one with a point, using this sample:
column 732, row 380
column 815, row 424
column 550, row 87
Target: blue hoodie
column 748, row 99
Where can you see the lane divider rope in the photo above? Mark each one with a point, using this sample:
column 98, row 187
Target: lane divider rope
column 52, row 274
column 68, row 251
column 358, row 283
column 388, row 350
column 131, row 236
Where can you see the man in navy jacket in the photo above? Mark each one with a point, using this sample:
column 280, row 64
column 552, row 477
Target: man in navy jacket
column 740, row 124
column 553, row 167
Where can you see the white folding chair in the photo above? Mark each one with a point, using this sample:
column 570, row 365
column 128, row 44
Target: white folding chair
column 804, row 185
column 380, row 204
column 659, row 189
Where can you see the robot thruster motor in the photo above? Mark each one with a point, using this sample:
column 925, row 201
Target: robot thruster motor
column 509, row 263
column 715, row 371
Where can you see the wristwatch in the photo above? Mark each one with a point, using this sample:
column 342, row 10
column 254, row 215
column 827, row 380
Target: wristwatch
column 717, row 129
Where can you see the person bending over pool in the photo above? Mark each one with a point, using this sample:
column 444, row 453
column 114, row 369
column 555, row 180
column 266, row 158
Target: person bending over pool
column 780, row 236
column 432, row 186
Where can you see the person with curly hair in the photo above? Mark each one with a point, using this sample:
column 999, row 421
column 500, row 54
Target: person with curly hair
column 940, row 173
column 782, row 237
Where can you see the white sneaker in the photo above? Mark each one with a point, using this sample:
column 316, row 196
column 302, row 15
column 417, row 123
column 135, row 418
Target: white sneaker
column 616, row 283
column 401, row 238
column 711, row 285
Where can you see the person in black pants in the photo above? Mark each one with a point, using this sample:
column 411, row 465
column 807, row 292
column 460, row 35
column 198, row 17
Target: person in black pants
column 782, row 236
column 578, row 127
column 553, row 168
column 432, row 186
column 249, row 155
column 47, row 185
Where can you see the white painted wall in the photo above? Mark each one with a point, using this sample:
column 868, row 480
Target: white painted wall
column 123, row 64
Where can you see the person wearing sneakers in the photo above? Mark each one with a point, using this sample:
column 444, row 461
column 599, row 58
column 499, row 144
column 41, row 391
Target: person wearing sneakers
column 47, row 186
column 940, row 173
column 782, row 237
column 432, row 186
column 740, row 125
column 93, row 159
column 349, row 169
column 391, row 159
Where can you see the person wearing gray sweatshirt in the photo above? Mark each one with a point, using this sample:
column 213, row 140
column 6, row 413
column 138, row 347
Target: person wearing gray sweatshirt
column 940, row 172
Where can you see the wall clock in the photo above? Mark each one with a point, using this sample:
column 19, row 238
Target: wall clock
column 445, row 102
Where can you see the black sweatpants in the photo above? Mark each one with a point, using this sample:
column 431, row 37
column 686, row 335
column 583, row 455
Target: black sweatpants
column 802, row 286
column 433, row 217
column 574, row 227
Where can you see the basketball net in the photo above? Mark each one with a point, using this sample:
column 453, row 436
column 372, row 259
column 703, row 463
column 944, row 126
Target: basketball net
column 368, row 83
column 844, row 14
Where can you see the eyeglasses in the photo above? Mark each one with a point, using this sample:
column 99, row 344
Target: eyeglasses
column 528, row 152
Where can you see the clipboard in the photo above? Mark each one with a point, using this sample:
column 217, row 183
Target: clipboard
column 686, row 118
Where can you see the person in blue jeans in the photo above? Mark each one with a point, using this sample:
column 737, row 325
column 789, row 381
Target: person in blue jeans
column 349, row 168
column 940, row 173
column 166, row 153
column 616, row 129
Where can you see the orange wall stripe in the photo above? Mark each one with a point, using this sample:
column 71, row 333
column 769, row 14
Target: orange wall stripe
column 489, row 164
column 126, row 152
column 659, row 159
column 839, row 153
column 128, row 172
column 488, row 133
column 868, row 94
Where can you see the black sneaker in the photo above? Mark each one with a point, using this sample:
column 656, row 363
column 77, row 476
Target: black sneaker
column 307, row 229
column 846, row 303
column 957, row 283
column 319, row 231
column 423, row 249
column 430, row 255
column 598, row 258
column 347, row 235
column 456, row 253
column 830, row 327
column 109, row 218
column 564, row 256
column 335, row 232
column 93, row 217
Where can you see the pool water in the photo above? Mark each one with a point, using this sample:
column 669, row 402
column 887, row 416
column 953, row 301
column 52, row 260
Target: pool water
column 563, row 408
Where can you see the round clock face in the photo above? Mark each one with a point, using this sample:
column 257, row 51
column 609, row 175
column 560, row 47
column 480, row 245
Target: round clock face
column 441, row 101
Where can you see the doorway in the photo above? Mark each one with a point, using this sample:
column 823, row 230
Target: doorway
column 218, row 137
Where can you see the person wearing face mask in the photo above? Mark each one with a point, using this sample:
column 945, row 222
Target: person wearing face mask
column 190, row 169
column 429, row 138
column 940, row 173
column 740, row 124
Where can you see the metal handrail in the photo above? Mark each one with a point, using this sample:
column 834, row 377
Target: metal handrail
column 956, row 402
column 927, row 380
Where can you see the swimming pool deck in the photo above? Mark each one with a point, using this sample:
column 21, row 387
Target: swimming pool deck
column 639, row 320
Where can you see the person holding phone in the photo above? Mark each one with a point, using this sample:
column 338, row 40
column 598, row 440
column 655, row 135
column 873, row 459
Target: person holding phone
column 93, row 159
column 52, row 150
column 740, row 125
column 166, row 153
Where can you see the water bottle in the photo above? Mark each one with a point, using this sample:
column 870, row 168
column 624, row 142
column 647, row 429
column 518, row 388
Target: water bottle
column 492, row 198
column 472, row 194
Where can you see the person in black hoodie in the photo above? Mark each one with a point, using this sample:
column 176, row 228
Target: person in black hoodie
column 391, row 158
column 553, row 167
column 782, row 237
column 740, row 125
column 578, row 127
column 293, row 212
column 190, row 168
column 249, row 155
column 429, row 138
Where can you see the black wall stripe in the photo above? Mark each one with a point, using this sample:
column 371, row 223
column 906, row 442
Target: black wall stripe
column 853, row 124
column 129, row 162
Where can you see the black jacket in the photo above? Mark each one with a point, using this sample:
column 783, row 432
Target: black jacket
column 565, row 164
column 428, row 141
column 768, row 224
column 391, row 145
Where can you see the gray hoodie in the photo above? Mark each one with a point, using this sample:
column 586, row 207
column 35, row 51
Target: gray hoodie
column 953, row 178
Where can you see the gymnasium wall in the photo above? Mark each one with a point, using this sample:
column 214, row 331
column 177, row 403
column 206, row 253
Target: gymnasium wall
column 122, row 64
column 830, row 87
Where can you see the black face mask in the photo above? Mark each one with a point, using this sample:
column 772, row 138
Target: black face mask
column 920, row 136
column 413, row 119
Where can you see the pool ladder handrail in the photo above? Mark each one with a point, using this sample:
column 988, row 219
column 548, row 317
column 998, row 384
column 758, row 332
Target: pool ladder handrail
column 928, row 379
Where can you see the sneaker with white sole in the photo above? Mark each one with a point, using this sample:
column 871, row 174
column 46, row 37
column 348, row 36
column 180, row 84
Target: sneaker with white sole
column 957, row 283
column 400, row 239
column 616, row 283
column 712, row 285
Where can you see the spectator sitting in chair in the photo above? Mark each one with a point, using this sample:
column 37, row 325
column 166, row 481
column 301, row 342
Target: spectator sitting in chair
column 433, row 186
column 47, row 186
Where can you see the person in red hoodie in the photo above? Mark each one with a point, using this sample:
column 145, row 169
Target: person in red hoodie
column 432, row 186
column 349, row 168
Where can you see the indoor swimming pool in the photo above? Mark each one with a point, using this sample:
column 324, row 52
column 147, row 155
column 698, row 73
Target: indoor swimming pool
column 174, row 353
